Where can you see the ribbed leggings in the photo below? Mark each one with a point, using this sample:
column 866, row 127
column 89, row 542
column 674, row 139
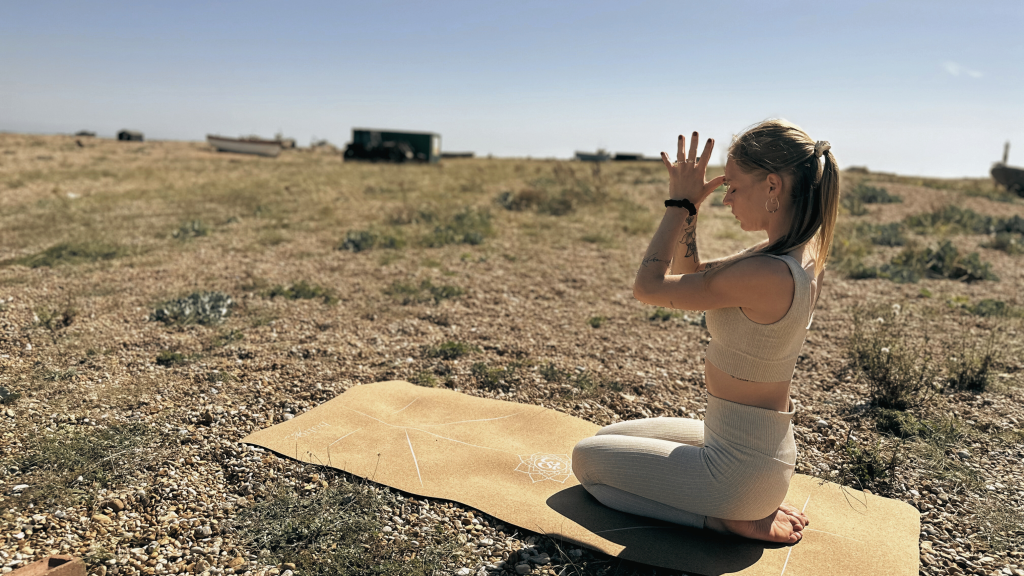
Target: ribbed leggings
column 735, row 465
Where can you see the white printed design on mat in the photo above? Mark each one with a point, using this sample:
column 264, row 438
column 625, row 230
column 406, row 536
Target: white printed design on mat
column 540, row 467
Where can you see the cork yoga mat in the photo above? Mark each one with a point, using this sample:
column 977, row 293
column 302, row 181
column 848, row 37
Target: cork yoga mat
column 512, row 461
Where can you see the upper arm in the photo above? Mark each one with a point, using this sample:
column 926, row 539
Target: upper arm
column 758, row 283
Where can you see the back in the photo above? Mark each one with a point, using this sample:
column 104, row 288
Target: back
column 756, row 352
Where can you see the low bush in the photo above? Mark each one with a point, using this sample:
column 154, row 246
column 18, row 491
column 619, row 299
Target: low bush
column 204, row 308
column 897, row 374
column 168, row 358
column 971, row 366
column 466, row 227
column 869, row 464
column 191, row 229
column 71, row 254
column 361, row 240
column 989, row 307
column 54, row 319
column 1007, row 242
column 302, row 290
column 849, row 248
column 65, row 466
column 596, row 321
column 913, row 263
column 872, row 195
column 422, row 293
column 336, row 531
column 494, row 378
column 423, row 378
column 8, row 396
column 449, row 350
column 899, row 424
column 952, row 219
column 892, row 234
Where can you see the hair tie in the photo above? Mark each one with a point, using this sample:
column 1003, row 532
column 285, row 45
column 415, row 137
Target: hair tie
column 820, row 147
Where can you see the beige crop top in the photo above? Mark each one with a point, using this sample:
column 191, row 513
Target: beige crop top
column 747, row 350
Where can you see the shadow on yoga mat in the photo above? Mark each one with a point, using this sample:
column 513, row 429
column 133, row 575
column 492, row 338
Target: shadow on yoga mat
column 512, row 461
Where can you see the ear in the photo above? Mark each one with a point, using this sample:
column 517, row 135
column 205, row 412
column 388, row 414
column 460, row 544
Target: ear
column 774, row 184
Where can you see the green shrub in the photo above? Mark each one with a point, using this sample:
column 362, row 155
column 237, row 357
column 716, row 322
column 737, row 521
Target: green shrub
column 897, row 374
column 422, row 293
column 204, row 308
column 71, row 254
column 662, row 315
column 449, row 350
column 865, row 194
column 59, row 465
column 892, row 234
column 852, row 205
column 7, row 396
column 596, row 321
column 168, row 358
column 54, row 319
column 912, row 264
column 360, row 240
column 191, row 229
column 972, row 365
column 1007, row 242
column 850, row 246
column 490, row 378
column 423, row 378
column 466, row 227
column 898, row 423
column 990, row 307
column 336, row 531
column 302, row 290
column 868, row 464
column 951, row 219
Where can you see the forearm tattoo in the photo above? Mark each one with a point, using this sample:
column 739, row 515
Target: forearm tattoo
column 651, row 259
column 689, row 238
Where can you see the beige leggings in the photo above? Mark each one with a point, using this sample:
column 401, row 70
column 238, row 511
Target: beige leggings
column 734, row 465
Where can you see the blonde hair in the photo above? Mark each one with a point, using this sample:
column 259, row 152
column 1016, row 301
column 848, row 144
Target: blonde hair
column 783, row 148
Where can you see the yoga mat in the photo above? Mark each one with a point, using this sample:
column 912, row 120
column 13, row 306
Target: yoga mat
column 512, row 461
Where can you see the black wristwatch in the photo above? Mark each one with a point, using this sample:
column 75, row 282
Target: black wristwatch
column 684, row 203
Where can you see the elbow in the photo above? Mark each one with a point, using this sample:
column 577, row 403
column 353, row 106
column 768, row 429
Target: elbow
column 638, row 291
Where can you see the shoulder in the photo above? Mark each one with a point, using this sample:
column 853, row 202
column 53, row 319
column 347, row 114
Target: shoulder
column 759, row 274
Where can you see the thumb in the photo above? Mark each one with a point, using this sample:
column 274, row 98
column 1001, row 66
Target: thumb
column 714, row 183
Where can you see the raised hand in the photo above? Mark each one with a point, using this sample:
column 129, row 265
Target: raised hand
column 686, row 175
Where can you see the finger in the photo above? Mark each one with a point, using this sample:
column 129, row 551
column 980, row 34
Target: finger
column 681, row 149
column 665, row 160
column 693, row 148
column 711, row 187
column 705, row 156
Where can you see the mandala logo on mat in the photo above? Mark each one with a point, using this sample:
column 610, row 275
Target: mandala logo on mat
column 540, row 467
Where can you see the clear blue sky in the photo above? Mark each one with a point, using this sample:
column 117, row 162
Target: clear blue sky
column 930, row 87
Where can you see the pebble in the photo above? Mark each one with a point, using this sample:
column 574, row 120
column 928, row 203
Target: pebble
column 522, row 568
column 463, row 572
column 20, row 487
column 964, row 454
column 821, row 424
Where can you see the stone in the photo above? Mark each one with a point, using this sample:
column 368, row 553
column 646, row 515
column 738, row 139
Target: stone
column 821, row 424
column 964, row 454
column 102, row 519
column 522, row 568
column 20, row 487
column 463, row 572
column 236, row 562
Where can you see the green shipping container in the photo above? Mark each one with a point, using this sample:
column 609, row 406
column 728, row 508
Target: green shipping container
column 390, row 146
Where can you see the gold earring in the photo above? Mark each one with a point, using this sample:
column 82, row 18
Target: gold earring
column 776, row 205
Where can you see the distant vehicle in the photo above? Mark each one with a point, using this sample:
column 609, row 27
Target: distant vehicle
column 129, row 136
column 628, row 157
column 599, row 156
column 87, row 133
column 457, row 155
column 391, row 146
column 1010, row 177
column 250, row 145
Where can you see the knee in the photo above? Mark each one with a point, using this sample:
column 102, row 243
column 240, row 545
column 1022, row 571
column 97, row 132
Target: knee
column 583, row 460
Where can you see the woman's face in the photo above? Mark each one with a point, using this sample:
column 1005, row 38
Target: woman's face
column 746, row 194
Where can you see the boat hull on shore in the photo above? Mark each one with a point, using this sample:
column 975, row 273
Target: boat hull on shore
column 269, row 148
column 1010, row 177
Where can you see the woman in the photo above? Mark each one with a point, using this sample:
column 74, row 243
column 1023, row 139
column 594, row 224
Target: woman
column 730, row 472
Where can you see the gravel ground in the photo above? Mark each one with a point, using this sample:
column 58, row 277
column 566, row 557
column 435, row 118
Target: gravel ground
column 166, row 498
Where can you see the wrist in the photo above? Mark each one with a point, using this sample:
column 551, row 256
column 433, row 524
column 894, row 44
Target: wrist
column 683, row 203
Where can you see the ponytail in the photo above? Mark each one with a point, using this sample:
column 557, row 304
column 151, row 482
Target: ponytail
column 780, row 147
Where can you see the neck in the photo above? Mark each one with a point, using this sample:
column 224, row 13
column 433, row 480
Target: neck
column 778, row 226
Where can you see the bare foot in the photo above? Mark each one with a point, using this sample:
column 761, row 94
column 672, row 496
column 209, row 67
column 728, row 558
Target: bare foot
column 785, row 525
